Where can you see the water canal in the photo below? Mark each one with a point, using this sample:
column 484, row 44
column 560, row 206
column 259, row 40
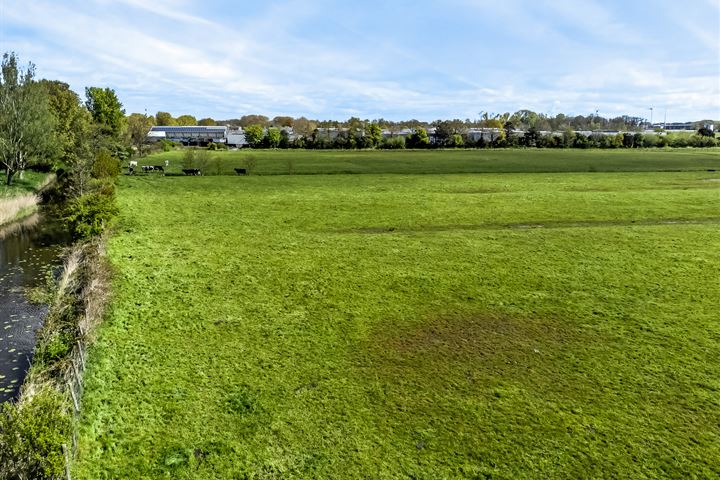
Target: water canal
column 30, row 252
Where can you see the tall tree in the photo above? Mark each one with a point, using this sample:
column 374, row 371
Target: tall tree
column 164, row 119
column 374, row 134
column 418, row 139
column 445, row 129
column 303, row 126
column 72, row 122
column 254, row 135
column 26, row 123
column 138, row 128
column 247, row 120
column 282, row 121
column 186, row 120
column 106, row 110
column 273, row 137
column 207, row 122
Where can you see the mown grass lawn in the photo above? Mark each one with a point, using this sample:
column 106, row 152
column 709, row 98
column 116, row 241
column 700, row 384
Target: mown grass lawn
column 269, row 162
column 410, row 326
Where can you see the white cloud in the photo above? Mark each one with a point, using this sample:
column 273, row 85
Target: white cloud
column 168, row 55
column 169, row 9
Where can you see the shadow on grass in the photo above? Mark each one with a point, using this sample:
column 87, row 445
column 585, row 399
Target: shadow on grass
column 526, row 226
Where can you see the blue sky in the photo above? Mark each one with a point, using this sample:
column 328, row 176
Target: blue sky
column 393, row 59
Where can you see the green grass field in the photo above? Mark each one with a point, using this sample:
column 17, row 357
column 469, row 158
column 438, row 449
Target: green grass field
column 544, row 325
column 29, row 183
column 453, row 161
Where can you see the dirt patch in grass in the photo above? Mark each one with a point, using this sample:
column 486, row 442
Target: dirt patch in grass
column 478, row 191
column 694, row 185
column 478, row 351
column 478, row 335
column 478, row 338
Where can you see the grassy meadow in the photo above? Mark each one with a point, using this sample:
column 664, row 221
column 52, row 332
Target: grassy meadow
column 283, row 162
column 29, row 183
column 524, row 325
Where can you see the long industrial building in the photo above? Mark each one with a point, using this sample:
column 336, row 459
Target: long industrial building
column 194, row 135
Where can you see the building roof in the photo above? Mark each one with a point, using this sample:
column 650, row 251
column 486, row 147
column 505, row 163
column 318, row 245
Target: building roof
column 190, row 129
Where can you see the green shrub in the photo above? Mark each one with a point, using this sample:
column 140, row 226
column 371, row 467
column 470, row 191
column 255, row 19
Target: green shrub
column 188, row 159
column 250, row 163
column 89, row 214
column 650, row 141
column 456, row 141
column 55, row 348
column 105, row 165
column 166, row 145
column 202, row 159
column 214, row 166
column 677, row 140
column 193, row 158
column 393, row 143
column 700, row 141
column 31, row 437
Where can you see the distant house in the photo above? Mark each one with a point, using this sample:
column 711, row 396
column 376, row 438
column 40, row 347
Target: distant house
column 404, row 132
column 194, row 135
column 235, row 137
column 487, row 134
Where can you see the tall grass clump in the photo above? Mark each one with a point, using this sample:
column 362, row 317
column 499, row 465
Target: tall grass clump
column 13, row 208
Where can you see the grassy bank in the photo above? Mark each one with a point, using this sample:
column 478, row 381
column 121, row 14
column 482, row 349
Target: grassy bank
column 29, row 183
column 282, row 162
column 425, row 326
column 36, row 431
column 20, row 199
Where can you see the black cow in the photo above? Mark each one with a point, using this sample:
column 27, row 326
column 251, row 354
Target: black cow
column 192, row 171
column 153, row 168
column 241, row 171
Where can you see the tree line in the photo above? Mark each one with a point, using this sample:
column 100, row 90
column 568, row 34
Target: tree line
column 522, row 120
column 520, row 129
column 443, row 137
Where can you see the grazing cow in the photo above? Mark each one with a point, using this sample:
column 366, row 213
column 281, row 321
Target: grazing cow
column 192, row 171
column 131, row 167
column 153, row 168
column 241, row 171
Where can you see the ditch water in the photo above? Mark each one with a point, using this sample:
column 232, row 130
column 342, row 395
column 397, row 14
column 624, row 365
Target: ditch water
column 30, row 252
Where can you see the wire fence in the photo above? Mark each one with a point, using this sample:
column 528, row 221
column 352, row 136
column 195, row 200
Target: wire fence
column 73, row 384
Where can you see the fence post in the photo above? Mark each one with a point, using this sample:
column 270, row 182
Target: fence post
column 67, row 461
column 74, row 397
column 82, row 354
column 76, row 371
